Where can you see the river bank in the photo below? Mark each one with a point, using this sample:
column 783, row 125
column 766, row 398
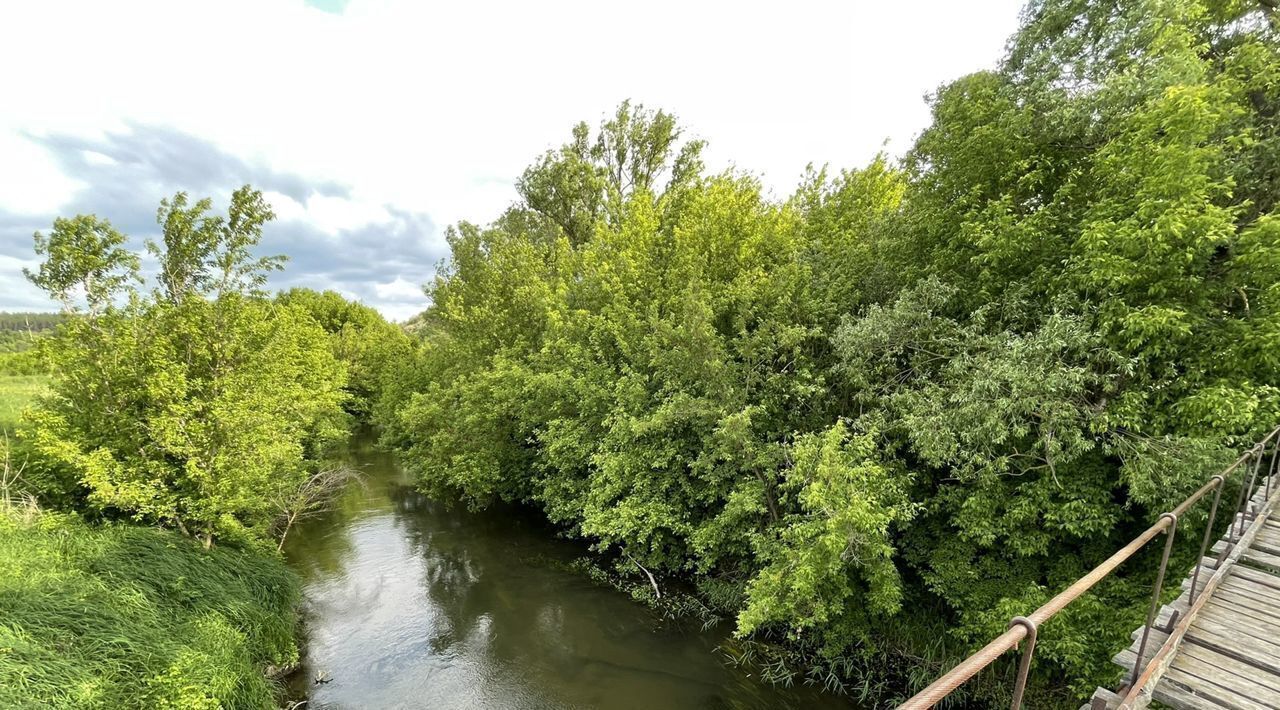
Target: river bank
column 124, row 616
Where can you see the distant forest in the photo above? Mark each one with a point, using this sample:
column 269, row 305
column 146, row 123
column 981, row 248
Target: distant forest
column 17, row 330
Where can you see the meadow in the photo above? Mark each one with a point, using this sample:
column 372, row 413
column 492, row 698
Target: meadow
column 16, row 391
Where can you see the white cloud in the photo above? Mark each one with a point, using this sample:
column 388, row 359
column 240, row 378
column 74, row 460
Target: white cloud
column 435, row 108
column 31, row 183
column 398, row 290
column 286, row 208
column 334, row 214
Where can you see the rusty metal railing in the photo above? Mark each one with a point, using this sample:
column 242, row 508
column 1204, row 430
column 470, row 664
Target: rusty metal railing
column 1027, row 627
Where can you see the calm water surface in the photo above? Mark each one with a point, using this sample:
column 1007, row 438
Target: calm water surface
column 413, row 604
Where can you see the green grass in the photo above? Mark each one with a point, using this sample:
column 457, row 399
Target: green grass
column 131, row 617
column 16, row 391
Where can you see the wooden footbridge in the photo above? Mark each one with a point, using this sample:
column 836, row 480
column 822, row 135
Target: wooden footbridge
column 1215, row 646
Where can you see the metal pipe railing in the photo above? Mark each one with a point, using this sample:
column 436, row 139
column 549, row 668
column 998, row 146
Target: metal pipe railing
column 1027, row 627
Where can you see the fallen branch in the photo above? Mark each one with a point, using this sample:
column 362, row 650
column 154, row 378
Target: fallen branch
column 649, row 574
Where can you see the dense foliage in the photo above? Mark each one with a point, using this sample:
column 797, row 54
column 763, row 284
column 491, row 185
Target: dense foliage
column 199, row 404
column 360, row 337
column 956, row 380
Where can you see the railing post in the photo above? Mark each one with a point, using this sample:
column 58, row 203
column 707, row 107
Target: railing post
column 1208, row 533
column 1024, row 665
column 1155, row 594
column 1275, row 459
column 1241, row 501
column 1248, row 491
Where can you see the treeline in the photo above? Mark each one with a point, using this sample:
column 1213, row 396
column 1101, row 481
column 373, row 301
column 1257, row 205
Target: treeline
column 194, row 403
column 20, row 335
column 876, row 419
column 28, row 322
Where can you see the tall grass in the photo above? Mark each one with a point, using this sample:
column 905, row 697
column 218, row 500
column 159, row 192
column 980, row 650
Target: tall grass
column 130, row 617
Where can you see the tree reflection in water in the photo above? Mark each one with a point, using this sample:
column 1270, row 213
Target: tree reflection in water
column 414, row 603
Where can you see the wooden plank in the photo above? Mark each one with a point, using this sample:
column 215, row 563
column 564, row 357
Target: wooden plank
column 1265, row 543
column 1248, row 519
column 1256, row 576
column 1242, row 626
column 1165, row 616
column 1262, row 559
column 1224, row 684
column 1209, row 690
column 1249, row 588
column 1234, row 612
column 1268, row 541
column 1125, row 658
column 1231, row 665
column 1270, row 534
column 1206, row 571
column 1243, row 585
column 1102, row 698
column 1243, row 609
column 1175, row 696
column 1268, row 548
column 1267, row 611
column 1229, row 642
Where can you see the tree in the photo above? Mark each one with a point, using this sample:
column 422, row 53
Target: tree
column 84, row 258
column 585, row 181
column 197, row 405
column 373, row 349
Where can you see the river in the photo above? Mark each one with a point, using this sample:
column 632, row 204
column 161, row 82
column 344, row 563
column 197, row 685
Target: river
column 409, row 603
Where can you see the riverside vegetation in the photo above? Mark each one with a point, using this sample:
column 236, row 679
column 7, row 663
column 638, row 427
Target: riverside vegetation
column 173, row 435
column 866, row 422
column 871, row 421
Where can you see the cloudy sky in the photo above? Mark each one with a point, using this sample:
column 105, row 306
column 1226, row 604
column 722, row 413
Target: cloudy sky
column 374, row 124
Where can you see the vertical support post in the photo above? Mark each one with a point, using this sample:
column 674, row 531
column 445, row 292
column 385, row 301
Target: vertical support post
column 1275, row 461
column 1231, row 529
column 1248, row 491
column 1024, row 665
column 1208, row 533
column 1155, row 595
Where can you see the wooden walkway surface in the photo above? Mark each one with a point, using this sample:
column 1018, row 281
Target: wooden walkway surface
column 1230, row 655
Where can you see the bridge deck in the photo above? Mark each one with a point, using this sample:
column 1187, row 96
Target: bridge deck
column 1230, row 655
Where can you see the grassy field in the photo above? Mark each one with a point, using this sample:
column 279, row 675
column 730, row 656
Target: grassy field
column 15, row 392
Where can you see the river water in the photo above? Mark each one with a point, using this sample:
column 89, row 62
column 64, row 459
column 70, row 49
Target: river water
column 414, row 604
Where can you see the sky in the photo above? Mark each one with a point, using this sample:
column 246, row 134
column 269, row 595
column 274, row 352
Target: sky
column 372, row 125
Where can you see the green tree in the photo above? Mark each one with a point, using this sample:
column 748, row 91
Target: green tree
column 197, row 406
column 587, row 180
column 373, row 349
column 958, row 380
